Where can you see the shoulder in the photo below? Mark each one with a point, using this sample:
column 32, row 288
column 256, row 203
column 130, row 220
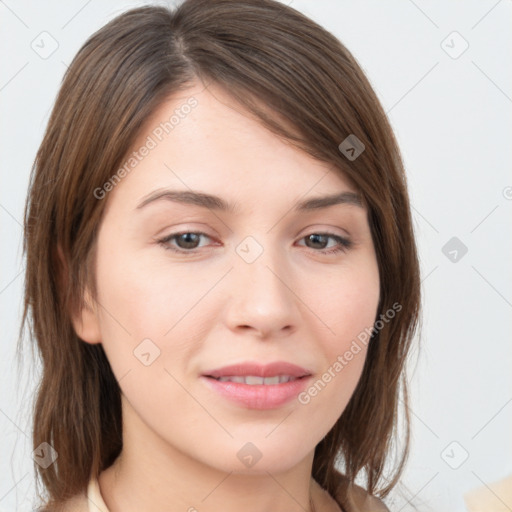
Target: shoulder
column 365, row 502
column 354, row 498
column 78, row 503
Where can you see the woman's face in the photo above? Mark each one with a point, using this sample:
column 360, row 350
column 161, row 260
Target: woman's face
column 260, row 282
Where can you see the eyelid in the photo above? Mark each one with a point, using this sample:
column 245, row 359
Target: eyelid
column 343, row 243
column 176, row 234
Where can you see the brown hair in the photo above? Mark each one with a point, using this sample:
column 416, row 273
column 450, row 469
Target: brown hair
column 287, row 71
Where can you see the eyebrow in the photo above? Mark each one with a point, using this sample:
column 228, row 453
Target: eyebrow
column 213, row 202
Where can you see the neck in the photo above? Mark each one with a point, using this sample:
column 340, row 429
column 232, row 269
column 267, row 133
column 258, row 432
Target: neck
column 151, row 475
column 130, row 488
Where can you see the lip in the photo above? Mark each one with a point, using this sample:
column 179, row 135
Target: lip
column 264, row 396
column 258, row 396
column 259, row 370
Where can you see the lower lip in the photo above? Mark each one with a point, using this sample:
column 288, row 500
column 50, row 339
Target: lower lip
column 258, row 396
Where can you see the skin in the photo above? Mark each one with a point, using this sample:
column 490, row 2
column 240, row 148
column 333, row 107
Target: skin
column 212, row 308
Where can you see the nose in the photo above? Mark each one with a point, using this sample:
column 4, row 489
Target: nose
column 262, row 297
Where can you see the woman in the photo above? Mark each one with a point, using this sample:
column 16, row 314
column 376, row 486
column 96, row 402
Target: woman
column 262, row 367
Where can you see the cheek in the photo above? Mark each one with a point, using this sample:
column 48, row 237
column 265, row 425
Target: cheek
column 347, row 304
column 147, row 308
column 349, row 312
column 349, row 309
column 145, row 298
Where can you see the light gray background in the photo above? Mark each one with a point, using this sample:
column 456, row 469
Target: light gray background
column 452, row 117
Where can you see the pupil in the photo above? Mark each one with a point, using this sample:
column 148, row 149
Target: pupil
column 315, row 239
column 186, row 237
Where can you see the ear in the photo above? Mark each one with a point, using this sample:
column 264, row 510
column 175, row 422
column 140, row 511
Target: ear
column 85, row 320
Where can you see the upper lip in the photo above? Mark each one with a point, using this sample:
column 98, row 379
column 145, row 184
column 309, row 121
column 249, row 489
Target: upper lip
column 259, row 370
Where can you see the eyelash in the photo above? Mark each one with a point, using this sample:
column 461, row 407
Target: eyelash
column 344, row 243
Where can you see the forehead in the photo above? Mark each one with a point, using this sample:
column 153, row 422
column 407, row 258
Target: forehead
column 202, row 139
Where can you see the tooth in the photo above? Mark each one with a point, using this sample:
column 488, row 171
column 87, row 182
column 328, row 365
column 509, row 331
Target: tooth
column 250, row 379
column 254, row 380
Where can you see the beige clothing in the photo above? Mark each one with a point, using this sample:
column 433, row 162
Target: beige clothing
column 92, row 501
column 357, row 500
column 94, row 497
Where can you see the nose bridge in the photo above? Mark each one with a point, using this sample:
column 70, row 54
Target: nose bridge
column 262, row 298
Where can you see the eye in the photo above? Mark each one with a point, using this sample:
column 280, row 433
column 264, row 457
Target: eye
column 188, row 242
column 315, row 239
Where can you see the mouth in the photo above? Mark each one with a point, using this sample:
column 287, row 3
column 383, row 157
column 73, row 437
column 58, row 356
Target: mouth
column 254, row 380
column 254, row 372
column 254, row 386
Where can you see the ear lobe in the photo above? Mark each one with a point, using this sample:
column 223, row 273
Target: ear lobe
column 85, row 321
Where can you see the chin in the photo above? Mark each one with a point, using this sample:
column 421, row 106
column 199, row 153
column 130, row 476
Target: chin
column 259, row 458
